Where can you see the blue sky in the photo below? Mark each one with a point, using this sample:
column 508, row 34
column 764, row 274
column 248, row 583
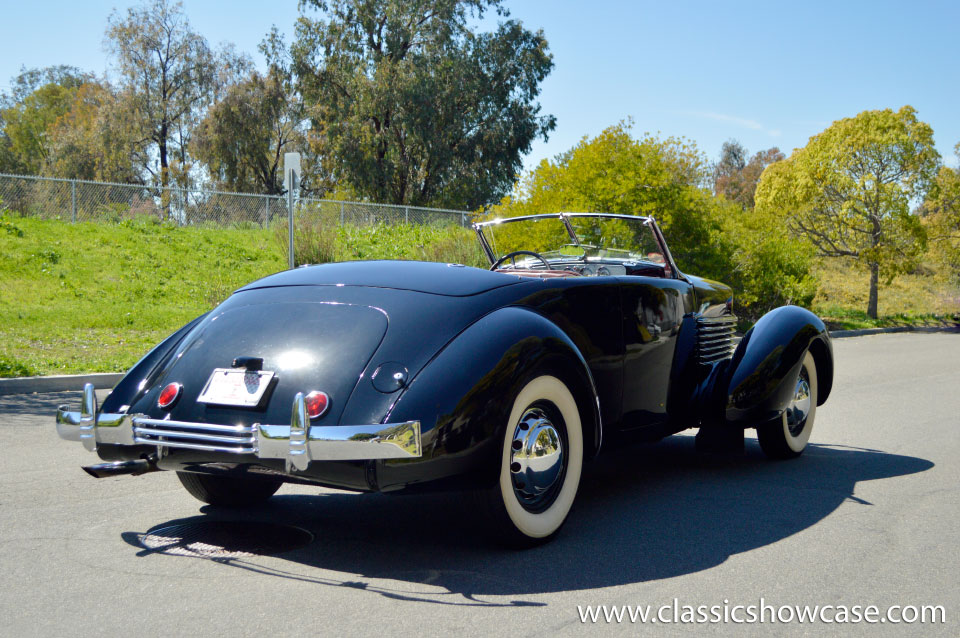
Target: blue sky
column 765, row 73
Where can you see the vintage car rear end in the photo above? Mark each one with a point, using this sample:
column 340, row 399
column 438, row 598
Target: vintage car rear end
column 293, row 375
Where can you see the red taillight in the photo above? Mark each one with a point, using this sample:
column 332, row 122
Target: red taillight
column 169, row 395
column 317, row 403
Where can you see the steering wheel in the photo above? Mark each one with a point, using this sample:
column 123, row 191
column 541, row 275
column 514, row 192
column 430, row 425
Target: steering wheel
column 513, row 255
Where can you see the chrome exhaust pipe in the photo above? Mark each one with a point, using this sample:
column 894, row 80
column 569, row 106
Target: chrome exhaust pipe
column 118, row 468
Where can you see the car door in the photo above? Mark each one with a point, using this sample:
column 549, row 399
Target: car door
column 653, row 309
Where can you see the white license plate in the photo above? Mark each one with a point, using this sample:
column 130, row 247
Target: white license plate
column 242, row 388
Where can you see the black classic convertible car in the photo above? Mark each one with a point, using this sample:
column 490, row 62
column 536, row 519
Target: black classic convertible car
column 393, row 375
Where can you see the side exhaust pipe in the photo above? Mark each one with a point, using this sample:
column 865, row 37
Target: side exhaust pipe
column 135, row 468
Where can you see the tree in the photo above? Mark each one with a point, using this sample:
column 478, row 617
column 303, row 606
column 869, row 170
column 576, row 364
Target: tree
column 735, row 178
column 941, row 217
column 414, row 107
column 93, row 139
column 168, row 75
column 849, row 191
column 243, row 137
column 29, row 80
column 38, row 98
column 709, row 236
column 615, row 173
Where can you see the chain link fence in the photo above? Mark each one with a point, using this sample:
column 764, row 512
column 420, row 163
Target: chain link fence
column 84, row 201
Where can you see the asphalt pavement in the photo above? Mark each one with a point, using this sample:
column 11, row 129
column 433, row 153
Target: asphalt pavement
column 869, row 515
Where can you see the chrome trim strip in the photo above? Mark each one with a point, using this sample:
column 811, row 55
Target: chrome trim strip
column 198, row 446
column 140, row 432
column 715, row 339
column 188, row 425
column 717, row 327
column 720, row 356
column 710, row 350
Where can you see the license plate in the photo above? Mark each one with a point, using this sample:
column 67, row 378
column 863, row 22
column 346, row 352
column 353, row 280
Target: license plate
column 242, row 388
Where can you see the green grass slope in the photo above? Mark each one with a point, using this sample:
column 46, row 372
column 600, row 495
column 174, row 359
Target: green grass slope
column 92, row 297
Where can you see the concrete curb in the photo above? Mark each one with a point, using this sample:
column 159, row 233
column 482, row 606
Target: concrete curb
column 58, row 383
column 863, row 332
column 67, row 382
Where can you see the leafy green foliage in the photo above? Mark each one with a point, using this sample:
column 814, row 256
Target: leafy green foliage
column 26, row 124
column 93, row 139
column 413, row 106
column 7, row 224
column 61, row 122
column 12, row 368
column 243, row 137
column 665, row 178
column 849, row 191
column 941, row 219
column 771, row 268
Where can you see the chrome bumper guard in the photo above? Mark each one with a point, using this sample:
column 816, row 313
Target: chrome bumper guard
column 298, row 443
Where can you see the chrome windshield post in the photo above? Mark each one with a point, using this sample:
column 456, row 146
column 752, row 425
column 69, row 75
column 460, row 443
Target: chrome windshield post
column 570, row 231
column 478, row 229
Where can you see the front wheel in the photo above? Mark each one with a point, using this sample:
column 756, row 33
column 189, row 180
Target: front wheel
column 229, row 491
column 540, row 465
column 787, row 437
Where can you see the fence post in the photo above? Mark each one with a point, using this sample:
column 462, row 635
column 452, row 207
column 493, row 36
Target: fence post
column 406, row 214
column 183, row 208
column 341, row 213
column 73, row 201
column 266, row 211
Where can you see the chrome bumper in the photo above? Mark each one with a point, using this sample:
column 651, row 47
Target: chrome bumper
column 298, row 443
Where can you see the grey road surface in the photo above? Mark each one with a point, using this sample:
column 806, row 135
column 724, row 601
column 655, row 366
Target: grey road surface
column 869, row 515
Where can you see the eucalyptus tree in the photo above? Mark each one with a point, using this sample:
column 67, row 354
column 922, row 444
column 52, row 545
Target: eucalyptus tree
column 167, row 75
column 411, row 105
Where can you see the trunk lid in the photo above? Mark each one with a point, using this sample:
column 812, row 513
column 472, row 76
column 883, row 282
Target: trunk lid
column 311, row 345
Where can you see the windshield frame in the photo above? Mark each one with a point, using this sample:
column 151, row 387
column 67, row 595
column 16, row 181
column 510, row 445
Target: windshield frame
column 565, row 219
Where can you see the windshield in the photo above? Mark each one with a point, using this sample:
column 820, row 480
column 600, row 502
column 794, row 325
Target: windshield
column 593, row 238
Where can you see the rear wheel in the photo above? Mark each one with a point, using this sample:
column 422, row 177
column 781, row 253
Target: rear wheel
column 787, row 437
column 229, row 491
column 540, row 465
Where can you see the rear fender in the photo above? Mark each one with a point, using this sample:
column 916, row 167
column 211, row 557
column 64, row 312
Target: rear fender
column 137, row 379
column 462, row 398
column 759, row 381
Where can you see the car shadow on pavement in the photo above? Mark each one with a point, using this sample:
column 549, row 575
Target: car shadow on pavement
column 643, row 513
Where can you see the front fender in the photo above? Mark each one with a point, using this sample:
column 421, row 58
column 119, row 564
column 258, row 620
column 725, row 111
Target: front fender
column 462, row 397
column 762, row 374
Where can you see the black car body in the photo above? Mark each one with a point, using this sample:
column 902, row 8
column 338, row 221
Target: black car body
column 421, row 366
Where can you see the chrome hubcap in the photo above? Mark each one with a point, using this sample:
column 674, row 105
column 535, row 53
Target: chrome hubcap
column 536, row 459
column 799, row 407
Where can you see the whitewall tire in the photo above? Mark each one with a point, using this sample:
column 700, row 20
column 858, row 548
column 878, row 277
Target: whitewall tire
column 787, row 437
column 540, row 465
